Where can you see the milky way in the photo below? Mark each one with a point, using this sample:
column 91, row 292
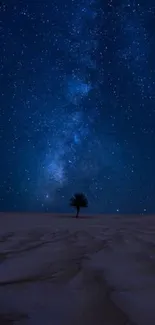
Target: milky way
column 77, row 105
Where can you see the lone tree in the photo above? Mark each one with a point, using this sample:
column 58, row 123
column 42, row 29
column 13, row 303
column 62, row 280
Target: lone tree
column 78, row 200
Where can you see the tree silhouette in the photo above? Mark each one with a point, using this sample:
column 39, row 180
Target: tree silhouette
column 78, row 200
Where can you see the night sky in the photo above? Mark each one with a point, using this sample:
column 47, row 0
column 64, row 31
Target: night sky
column 77, row 105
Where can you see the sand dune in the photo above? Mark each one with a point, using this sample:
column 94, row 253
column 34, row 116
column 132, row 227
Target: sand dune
column 55, row 269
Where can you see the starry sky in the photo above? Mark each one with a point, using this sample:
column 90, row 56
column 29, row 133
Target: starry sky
column 77, row 105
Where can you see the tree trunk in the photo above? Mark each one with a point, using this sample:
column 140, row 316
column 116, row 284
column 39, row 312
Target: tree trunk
column 77, row 213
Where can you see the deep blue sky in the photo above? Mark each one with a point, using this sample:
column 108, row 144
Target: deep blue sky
column 77, row 104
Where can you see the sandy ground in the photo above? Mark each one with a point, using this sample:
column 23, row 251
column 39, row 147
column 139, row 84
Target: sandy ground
column 55, row 269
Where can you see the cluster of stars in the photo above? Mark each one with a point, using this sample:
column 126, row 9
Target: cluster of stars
column 77, row 105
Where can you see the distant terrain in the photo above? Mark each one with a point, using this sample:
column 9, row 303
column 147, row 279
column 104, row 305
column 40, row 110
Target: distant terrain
column 95, row 270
